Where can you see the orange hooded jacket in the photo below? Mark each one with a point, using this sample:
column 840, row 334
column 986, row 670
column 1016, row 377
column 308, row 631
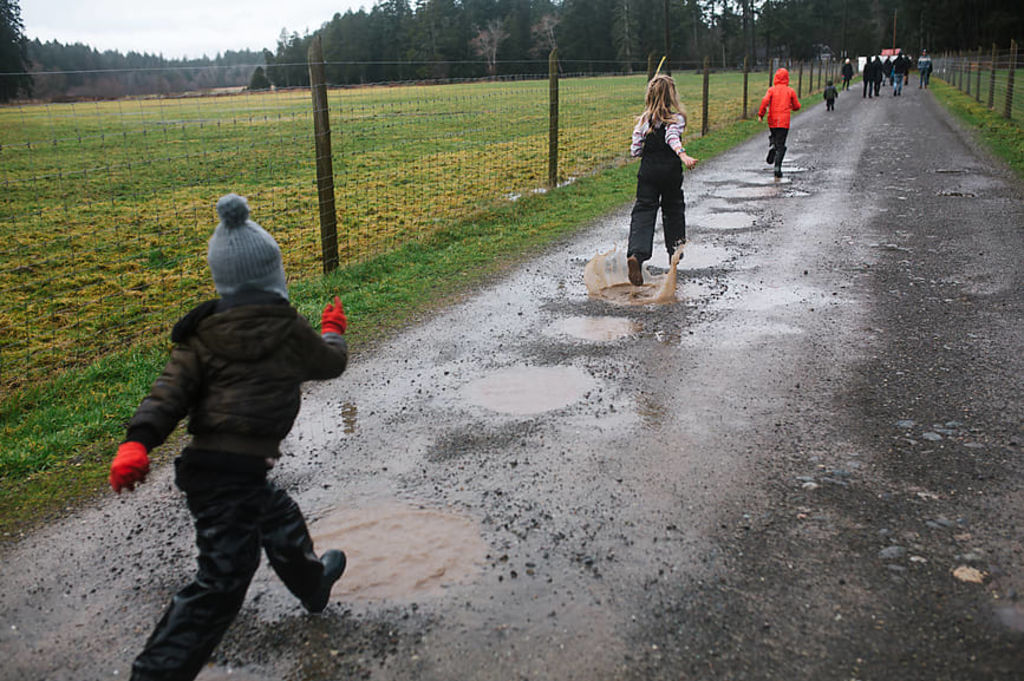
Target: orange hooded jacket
column 779, row 101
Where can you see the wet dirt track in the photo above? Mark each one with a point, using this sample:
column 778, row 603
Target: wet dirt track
column 774, row 477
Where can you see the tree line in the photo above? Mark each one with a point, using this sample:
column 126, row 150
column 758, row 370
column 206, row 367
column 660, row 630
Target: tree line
column 399, row 40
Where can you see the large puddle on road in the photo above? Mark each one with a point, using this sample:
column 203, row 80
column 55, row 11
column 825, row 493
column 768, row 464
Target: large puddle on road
column 525, row 390
column 607, row 277
column 726, row 221
column 397, row 552
column 594, row 328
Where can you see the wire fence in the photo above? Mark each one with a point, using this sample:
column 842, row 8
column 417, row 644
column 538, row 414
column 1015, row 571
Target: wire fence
column 991, row 77
column 106, row 206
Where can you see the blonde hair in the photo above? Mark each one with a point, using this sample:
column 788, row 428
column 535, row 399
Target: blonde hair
column 661, row 104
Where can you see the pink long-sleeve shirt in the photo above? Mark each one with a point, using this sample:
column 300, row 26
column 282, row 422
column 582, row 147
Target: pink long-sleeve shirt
column 673, row 136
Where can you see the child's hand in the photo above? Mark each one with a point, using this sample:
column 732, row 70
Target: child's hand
column 129, row 466
column 333, row 319
column 688, row 161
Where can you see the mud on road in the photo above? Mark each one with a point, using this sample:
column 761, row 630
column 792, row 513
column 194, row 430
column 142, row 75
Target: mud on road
column 808, row 466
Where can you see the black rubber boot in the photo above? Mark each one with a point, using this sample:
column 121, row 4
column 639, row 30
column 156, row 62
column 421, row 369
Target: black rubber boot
column 779, row 155
column 334, row 566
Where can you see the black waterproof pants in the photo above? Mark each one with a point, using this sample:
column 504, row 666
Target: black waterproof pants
column 659, row 184
column 236, row 514
column 777, row 139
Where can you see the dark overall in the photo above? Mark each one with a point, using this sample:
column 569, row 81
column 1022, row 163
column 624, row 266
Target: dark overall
column 659, row 183
column 236, row 512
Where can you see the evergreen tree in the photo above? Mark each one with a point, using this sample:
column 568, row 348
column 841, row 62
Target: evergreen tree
column 259, row 80
column 13, row 53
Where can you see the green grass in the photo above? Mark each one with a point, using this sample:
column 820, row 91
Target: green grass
column 58, row 437
column 1002, row 136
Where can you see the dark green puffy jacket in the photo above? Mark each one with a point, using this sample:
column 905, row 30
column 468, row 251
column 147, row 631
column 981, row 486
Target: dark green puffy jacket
column 236, row 370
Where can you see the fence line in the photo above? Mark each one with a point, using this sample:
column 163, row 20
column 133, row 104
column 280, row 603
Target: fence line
column 989, row 78
column 106, row 206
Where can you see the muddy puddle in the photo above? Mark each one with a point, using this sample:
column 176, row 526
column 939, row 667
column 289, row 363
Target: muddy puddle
column 607, row 278
column 398, row 552
column 729, row 220
column 523, row 390
column 597, row 329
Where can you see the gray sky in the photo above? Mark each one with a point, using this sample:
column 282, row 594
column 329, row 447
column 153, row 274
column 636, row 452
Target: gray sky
column 177, row 28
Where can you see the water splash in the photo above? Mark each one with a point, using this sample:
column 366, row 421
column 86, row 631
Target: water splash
column 607, row 277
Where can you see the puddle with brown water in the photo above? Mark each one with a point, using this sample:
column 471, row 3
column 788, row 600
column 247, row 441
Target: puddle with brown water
column 398, row 552
column 525, row 390
column 607, row 277
column 594, row 328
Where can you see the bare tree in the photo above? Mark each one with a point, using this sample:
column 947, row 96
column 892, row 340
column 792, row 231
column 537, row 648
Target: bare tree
column 543, row 34
column 486, row 43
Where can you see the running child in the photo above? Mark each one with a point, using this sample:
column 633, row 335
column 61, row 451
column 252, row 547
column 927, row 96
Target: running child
column 235, row 371
column 658, row 141
column 778, row 102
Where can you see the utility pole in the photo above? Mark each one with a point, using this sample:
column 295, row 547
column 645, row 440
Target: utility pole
column 668, row 42
column 894, row 29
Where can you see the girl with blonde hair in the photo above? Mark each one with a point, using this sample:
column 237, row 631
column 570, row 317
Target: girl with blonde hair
column 658, row 141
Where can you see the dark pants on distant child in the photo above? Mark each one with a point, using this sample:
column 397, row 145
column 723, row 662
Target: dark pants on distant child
column 777, row 146
column 659, row 184
column 830, row 104
column 236, row 513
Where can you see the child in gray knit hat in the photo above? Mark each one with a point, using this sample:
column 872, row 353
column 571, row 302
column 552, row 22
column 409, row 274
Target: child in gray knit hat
column 235, row 370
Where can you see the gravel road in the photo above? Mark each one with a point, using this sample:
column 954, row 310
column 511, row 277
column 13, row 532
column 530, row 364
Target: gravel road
column 809, row 466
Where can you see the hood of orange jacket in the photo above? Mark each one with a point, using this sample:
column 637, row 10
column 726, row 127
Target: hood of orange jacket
column 782, row 77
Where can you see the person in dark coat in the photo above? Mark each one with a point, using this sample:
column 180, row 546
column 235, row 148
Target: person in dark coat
column 879, row 74
column 235, row 370
column 887, row 70
column 868, row 75
column 847, row 74
column 900, row 69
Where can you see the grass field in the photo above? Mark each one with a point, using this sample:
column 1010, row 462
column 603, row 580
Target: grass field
column 107, row 209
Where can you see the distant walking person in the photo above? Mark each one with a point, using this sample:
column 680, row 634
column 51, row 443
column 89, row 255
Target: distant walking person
column 887, row 70
column 924, row 69
column 658, row 141
column 847, row 74
column 830, row 95
column 868, row 75
column 899, row 73
column 778, row 102
column 879, row 75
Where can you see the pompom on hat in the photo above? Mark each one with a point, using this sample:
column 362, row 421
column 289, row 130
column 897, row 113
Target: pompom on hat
column 241, row 254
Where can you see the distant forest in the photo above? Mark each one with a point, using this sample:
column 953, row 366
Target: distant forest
column 399, row 40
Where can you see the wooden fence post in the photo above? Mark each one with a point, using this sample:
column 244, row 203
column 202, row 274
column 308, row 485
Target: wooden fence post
column 553, row 118
column 1008, row 110
column 324, row 162
column 977, row 80
column 651, row 61
column 746, row 76
column 704, row 127
column 992, row 79
column 800, row 80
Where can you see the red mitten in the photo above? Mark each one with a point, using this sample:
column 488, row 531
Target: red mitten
column 333, row 319
column 129, row 466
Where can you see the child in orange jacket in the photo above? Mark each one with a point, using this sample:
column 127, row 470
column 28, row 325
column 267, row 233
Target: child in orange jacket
column 778, row 102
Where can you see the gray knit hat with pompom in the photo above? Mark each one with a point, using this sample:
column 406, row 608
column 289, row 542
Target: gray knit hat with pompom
column 242, row 255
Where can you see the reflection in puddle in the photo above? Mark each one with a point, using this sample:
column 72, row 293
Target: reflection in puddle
column 729, row 220
column 529, row 390
column 768, row 298
column 595, row 328
column 607, row 278
column 400, row 553
column 748, row 192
